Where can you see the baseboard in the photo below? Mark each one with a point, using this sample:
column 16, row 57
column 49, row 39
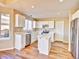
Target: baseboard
column 7, row 49
column 65, row 42
column 61, row 41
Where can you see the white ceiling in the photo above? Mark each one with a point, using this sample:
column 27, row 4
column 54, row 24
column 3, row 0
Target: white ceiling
column 44, row 8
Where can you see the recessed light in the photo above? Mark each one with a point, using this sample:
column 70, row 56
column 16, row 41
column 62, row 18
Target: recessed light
column 33, row 6
column 61, row 0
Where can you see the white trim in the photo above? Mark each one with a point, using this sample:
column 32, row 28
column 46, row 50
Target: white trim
column 6, row 49
column 75, row 15
column 70, row 19
column 65, row 42
column 77, row 39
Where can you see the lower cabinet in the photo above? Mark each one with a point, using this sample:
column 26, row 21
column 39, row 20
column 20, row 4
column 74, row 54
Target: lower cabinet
column 19, row 41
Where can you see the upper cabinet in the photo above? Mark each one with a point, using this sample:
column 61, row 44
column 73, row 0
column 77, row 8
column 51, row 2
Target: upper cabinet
column 28, row 25
column 51, row 24
column 19, row 20
column 41, row 23
column 34, row 24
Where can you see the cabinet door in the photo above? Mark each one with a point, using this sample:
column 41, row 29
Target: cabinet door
column 18, row 43
column 51, row 24
column 41, row 23
column 20, row 21
column 34, row 24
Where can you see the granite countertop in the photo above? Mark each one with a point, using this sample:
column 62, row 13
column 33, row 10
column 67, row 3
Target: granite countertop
column 45, row 36
column 22, row 32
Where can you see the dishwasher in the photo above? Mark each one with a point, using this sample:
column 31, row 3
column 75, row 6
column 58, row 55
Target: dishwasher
column 28, row 40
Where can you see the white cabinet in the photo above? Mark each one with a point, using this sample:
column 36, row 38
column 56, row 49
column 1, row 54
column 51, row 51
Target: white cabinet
column 19, row 21
column 28, row 25
column 51, row 24
column 19, row 41
column 44, row 44
column 34, row 24
column 41, row 23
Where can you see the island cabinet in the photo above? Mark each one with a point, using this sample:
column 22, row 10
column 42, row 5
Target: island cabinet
column 44, row 44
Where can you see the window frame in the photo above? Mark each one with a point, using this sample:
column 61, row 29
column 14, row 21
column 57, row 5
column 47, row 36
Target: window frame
column 4, row 24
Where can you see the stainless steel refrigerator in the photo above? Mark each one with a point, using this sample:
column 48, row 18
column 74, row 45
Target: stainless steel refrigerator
column 75, row 38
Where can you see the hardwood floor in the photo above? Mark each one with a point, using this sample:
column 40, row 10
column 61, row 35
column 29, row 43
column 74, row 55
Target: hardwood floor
column 59, row 50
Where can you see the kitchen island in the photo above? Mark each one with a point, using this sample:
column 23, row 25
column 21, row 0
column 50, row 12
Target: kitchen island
column 44, row 43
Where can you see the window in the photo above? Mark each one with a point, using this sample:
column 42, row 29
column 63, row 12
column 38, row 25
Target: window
column 4, row 26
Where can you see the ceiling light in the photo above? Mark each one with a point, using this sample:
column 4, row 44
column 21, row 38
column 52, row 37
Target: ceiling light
column 33, row 6
column 61, row 0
